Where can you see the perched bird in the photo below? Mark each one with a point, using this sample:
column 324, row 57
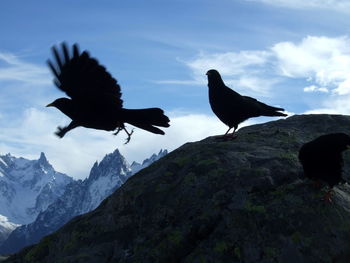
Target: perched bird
column 231, row 107
column 95, row 96
column 322, row 159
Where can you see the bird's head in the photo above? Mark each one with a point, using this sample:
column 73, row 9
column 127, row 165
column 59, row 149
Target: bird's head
column 214, row 76
column 212, row 73
column 346, row 140
column 63, row 104
column 340, row 141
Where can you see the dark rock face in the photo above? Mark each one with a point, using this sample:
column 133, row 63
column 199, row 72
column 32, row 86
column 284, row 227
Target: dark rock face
column 216, row 201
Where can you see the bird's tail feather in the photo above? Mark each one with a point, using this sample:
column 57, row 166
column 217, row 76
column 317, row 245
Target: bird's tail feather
column 274, row 111
column 146, row 119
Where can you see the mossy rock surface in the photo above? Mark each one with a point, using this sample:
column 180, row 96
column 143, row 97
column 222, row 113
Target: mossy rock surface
column 243, row 200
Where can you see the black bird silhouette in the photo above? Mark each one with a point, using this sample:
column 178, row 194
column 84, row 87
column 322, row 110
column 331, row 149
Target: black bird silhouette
column 231, row 107
column 96, row 97
column 322, row 159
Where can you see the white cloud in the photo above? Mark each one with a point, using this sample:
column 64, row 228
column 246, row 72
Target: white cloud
column 323, row 60
column 80, row 148
column 229, row 63
column 334, row 104
column 336, row 5
column 245, row 69
column 314, row 88
column 12, row 68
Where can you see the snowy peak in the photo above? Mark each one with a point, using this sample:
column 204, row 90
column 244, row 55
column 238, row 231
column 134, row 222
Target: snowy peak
column 155, row 157
column 112, row 164
column 28, row 187
column 104, row 178
column 78, row 198
column 43, row 161
column 135, row 166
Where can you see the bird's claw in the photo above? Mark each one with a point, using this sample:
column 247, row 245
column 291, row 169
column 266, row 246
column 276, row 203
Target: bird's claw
column 328, row 197
column 230, row 136
column 128, row 133
column 227, row 137
column 119, row 129
column 129, row 136
column 60, row 132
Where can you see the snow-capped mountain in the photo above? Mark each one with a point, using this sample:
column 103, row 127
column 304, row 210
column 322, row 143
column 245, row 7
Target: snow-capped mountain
column 27, row 187
column 135, row 166
column 78, row 198
column 104, row 178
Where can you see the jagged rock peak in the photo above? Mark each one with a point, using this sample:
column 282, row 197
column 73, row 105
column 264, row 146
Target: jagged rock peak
column 135, row 166
column 113, row 157
column 163, row 152
column 43, row 160
column 79, row 197
column 154, row 157
column 112, row 164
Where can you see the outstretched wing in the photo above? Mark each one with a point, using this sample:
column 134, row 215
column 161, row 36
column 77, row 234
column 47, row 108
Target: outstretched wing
column 82, row 77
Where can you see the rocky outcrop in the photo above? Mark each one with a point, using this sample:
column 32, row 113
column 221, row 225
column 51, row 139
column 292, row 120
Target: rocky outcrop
column 243, row 200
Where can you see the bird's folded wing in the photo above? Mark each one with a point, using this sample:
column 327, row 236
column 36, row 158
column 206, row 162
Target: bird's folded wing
column 257, row 104
column 82, row 77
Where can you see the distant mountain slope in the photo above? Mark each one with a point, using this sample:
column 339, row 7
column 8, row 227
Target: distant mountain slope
column 135, row 166
column 27, row 187
column 79, row 197
column 243, row 200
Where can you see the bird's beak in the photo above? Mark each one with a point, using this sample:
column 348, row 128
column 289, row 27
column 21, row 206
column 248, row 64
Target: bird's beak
column 50, row 105
column 207, row 74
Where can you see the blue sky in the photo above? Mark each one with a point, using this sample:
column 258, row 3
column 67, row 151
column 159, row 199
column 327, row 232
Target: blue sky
column 289, row 53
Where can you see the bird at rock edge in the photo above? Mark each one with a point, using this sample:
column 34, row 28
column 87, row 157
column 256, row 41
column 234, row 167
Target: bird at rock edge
column 231, row 107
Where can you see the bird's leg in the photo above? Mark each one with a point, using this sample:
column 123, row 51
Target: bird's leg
column 228, row 131
column 61, row 131
column 327, row 198
column 230, row 136
column 317, row 184
column 129, row 135
column 122, row 127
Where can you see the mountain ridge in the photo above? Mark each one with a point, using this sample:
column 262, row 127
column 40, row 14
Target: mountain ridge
column 214, row 200
column 79, row 197
column 26, row 188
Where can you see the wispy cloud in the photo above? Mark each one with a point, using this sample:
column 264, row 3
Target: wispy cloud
column 314, row 88
column 12, row 68
column 336, row 5
column 33, row 132
column 229, row 63
column 323, row 62
column 333, row 104
column 245, row 69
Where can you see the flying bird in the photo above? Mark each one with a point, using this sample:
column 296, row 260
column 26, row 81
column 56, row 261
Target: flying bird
column 95, row 96
column 322, row 159
column 231, row 107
